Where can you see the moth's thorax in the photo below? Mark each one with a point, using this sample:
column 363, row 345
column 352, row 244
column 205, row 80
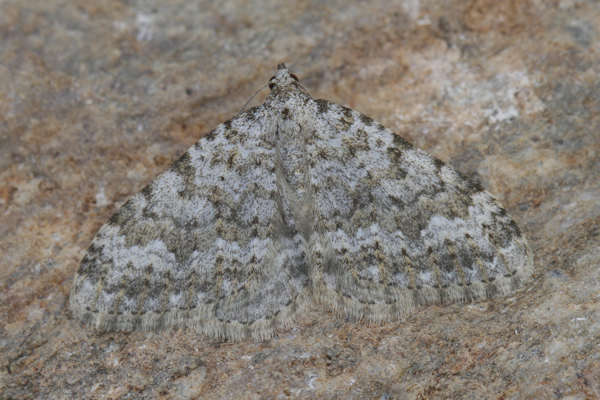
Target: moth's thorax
column 291, row 134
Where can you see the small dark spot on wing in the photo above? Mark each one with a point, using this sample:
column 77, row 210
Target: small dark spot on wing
column 402, row 143
column 322, row 106
column 147, row 192
column 366, row 120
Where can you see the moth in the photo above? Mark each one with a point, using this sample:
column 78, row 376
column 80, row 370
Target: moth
column 292, row 203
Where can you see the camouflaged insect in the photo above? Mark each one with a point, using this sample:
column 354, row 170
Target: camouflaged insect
column 293, row 202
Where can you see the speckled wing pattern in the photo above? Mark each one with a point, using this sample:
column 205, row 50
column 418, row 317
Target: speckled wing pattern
column 396, row 229
column 292, row 201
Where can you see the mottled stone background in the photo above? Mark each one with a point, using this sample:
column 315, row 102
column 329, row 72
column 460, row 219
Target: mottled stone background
column 96, row 98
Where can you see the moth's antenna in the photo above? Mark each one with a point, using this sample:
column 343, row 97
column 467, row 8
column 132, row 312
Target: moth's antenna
column 253, row 96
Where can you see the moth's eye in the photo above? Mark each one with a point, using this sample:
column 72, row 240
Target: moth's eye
column 294, row 77
column 271, row 85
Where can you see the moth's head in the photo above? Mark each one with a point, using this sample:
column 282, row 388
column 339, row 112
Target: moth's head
column 282, row 78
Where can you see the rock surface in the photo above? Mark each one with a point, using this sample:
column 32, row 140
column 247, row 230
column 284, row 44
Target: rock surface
column 96, row 99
